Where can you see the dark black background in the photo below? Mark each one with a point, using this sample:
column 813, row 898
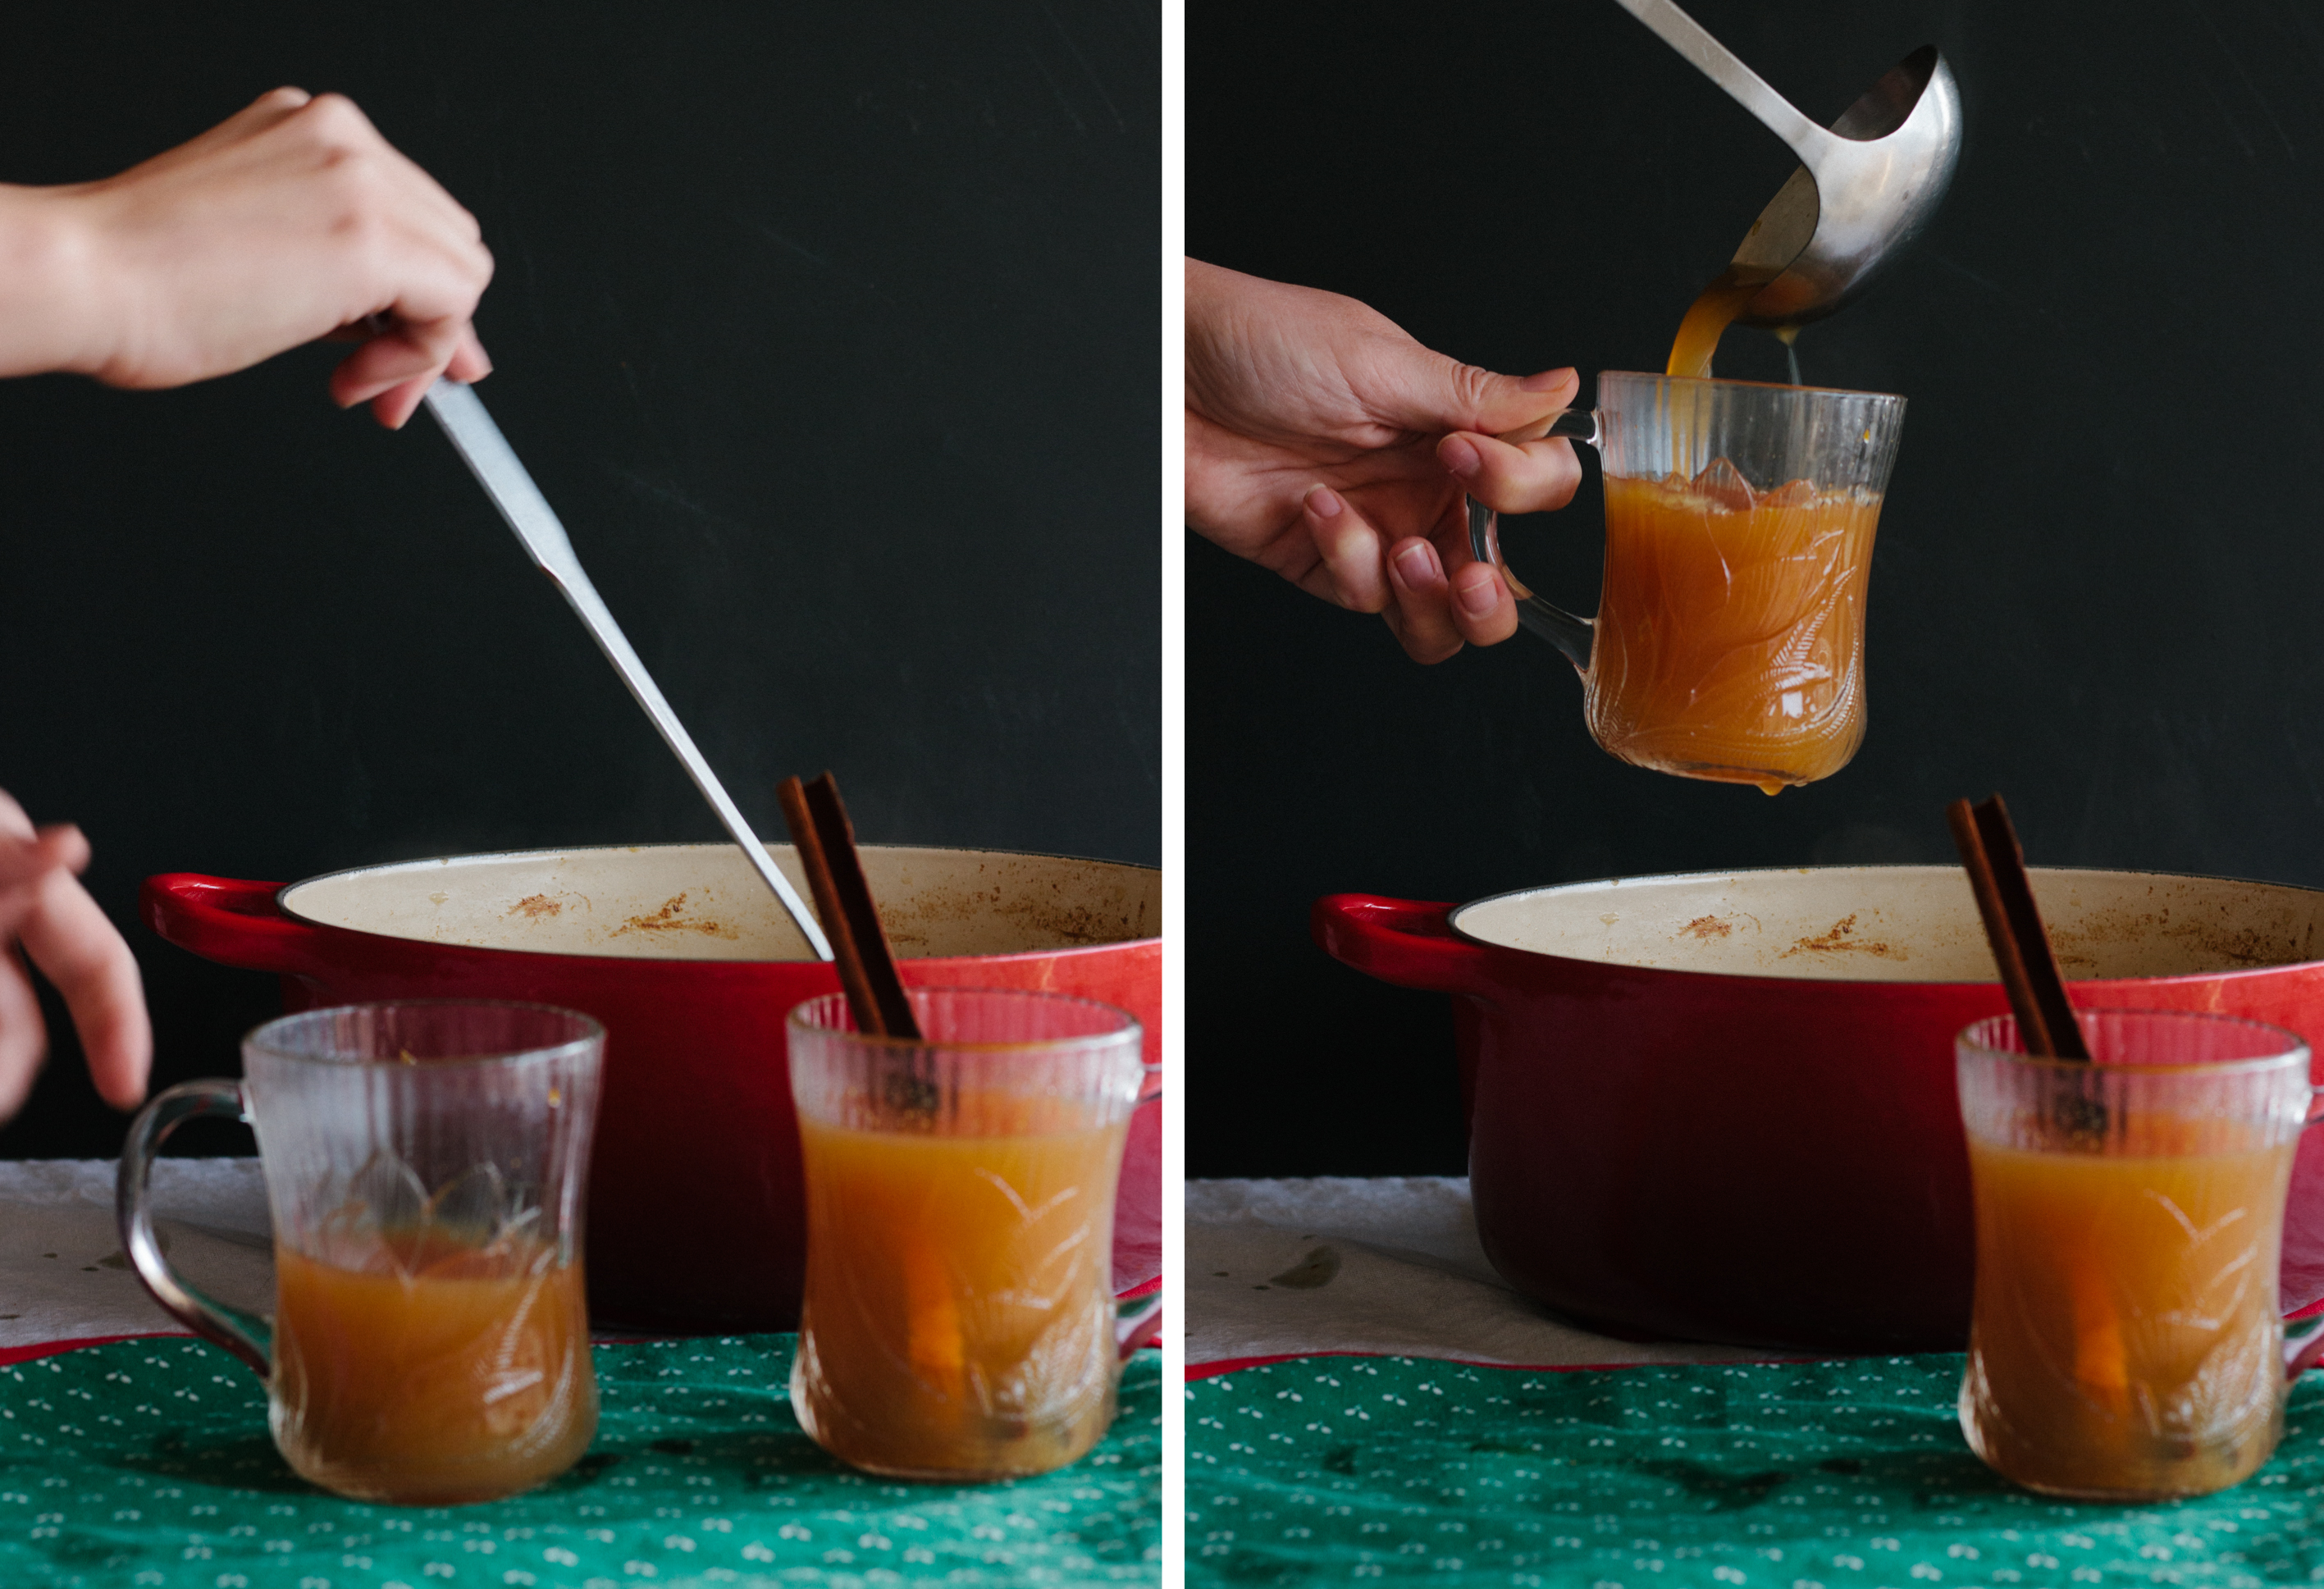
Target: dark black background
column 831, row 331
column 2098, row 573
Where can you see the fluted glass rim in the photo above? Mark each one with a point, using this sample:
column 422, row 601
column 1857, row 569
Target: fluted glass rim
column 1855, row 392
column 1131, row 1033
column 588, row 1044
column 2296, row 1052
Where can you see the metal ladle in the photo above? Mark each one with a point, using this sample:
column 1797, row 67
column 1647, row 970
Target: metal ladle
column 489, row 456
column 1863, row 189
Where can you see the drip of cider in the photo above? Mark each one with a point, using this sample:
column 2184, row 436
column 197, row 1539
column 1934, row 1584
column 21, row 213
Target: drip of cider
column 430, row 1371
column 1708, row 318
column 959, row 1314
column 1730, row 639
column 2125, row 1341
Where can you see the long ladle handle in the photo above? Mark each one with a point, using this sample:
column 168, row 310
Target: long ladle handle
column 1712, row 59
column 488, row 455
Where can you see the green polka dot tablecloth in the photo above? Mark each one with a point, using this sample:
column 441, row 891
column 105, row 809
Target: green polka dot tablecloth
column 148, row 1464
column 1830, row 1475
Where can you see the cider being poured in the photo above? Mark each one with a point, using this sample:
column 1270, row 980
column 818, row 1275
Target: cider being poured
column 1731, row 635
column 1740, row 515
column 1708, row 318
column 1728, row 642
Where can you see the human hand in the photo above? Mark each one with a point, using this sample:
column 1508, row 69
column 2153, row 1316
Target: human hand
column 289, row 222
column 46, row 914
column 1324, row 443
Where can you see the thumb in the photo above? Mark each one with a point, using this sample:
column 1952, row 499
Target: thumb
column 1433, row 395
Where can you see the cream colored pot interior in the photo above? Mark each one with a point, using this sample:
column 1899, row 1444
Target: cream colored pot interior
column 1903, row 923
column 703, row 902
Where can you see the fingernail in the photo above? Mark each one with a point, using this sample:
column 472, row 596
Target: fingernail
column 1322, row 501
column 1547, row 381
column 1477, row 595
column 1418, row 565
column 1460, row 456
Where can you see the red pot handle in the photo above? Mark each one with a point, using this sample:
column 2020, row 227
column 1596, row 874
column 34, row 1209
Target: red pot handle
column 1407, row 942
column 230, row 920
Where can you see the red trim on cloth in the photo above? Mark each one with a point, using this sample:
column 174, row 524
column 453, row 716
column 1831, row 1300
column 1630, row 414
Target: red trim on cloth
column 1227, row 1365
column 1219, row 1366
column 9, row 1354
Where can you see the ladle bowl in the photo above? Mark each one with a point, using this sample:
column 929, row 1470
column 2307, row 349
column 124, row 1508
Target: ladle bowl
column 1865, row 188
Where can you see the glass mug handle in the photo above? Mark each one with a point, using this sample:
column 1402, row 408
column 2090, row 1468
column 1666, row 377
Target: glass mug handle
column 2300, row 1353
column 1554, row 624
column 1139, row 1319
column 2303, row 1352
column 245, row 1335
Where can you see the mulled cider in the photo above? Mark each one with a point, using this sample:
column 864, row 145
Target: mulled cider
column 424, row 1167
column 429, row 1372
column 1708, row 318
column 959, row 1314
column 1730, row 638
column 2125, row 1331
column 1730, row 633
column 2124, row 1339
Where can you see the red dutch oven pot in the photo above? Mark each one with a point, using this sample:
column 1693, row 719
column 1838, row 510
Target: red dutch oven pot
column 696, row 1219
column 1721, row 1107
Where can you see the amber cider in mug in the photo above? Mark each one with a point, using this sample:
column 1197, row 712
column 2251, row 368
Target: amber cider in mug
column 959, row 1320
column 2125, row 1341
column 424, row 1165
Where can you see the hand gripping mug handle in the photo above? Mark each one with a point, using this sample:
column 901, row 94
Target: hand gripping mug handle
column 1554, row 624
column 245, row 1335
column 1138, row 1317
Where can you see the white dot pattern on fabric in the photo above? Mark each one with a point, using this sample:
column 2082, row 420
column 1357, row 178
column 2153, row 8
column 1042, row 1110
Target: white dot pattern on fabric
column 1833, row 1475
column 148, row 1464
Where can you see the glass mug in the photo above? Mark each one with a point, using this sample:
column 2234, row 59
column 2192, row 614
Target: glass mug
column 959, row 1320
column 1730, row 638
column 2124, row 1342
column 425, row 1166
